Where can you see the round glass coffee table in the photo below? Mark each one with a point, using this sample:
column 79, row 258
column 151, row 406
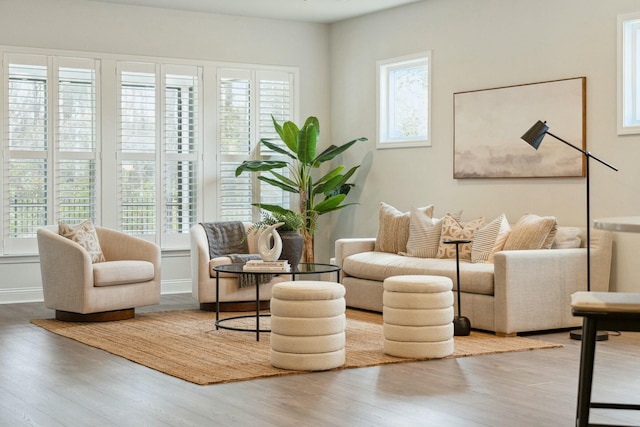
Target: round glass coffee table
column 237, row 268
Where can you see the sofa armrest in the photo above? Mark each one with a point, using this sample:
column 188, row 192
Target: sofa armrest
column 533, row 288
column 350, row 246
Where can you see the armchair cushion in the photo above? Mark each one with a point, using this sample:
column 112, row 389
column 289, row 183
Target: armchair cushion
column 120, row 272
column 85, row 235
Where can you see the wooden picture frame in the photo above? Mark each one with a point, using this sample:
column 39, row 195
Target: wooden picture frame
column 489, row 123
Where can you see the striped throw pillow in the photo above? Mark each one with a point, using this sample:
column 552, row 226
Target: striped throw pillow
column 490, row 239
column 393, row 228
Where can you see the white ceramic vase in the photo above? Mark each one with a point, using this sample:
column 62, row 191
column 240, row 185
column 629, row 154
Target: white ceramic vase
column 266, row 251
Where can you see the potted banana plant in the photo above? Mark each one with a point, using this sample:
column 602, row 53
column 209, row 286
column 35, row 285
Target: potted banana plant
column 317, row 196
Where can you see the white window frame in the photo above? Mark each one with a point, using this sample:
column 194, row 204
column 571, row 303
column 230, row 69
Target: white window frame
column 387, row 100
column 628, row 74
column 108, row 157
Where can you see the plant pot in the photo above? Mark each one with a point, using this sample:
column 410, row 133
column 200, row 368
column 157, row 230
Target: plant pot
column 292, row 245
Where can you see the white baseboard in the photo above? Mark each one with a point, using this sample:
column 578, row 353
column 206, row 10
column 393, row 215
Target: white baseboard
column 35, row 294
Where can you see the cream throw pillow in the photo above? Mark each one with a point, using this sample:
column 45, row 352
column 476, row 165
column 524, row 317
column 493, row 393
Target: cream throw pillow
column 85, row 235
column 532, row 232
column 490, row 239
column 453, row 229
column 393, row 228
column 424, row 234
column 567, row 238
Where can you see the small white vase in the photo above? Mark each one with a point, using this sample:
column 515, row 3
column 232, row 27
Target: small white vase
column 266, row 251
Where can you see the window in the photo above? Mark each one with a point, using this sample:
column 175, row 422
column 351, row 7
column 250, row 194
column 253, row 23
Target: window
column 404, row 101
column 121, row 141
column 247, row 101
column 51, row 142
column 629, row 74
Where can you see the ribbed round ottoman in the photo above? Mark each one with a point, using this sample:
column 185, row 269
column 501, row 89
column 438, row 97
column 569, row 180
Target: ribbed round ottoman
column 307, row 325
column 418, row 316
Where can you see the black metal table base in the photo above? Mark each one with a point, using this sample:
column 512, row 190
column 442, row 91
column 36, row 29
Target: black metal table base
column 219, row 323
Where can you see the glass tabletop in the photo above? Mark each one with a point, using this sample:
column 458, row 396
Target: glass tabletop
column 302, row 268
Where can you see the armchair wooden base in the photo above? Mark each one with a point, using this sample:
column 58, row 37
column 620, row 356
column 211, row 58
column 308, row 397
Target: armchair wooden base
column 104, row 316
column 231, row 306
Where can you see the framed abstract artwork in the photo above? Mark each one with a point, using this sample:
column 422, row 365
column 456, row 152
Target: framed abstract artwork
column 488, row 124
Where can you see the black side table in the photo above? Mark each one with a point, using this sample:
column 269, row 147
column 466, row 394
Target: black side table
column 461, row 324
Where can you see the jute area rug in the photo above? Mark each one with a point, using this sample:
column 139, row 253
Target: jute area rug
column 185, row 344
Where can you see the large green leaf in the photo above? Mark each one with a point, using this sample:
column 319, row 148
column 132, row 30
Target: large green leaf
column 329, row 175
column 307, row 143
column 332, row 151
column 259, row 165
column 329, row 204
column 276, row 148
column 284, row 179
column 278, row 184
column 312, row 120
column 272, row 208
column 290, row 136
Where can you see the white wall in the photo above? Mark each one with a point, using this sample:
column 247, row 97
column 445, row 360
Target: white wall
column 479, row 44
column 88, row 26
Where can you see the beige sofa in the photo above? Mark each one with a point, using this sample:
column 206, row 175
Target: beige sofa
column 522, row 290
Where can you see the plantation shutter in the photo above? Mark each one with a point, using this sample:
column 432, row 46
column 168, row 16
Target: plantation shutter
column 137, row 149
column 181, row 145
column 48, row 124
column 246, row 101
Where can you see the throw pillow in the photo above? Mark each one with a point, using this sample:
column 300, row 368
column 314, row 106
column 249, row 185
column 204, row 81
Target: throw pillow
column 393, row 228
column 567, row 238
column 453, row 229
column 424, row 234
column 85, row 235
column 532, row 232
column 490, row 239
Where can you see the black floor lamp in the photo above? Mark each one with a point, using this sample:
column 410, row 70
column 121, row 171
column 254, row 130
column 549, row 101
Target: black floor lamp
column 534, row 138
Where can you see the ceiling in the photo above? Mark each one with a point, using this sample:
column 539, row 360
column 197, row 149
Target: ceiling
column 319, row 11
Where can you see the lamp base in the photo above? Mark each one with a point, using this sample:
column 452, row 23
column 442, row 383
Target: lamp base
column 577, row 335
column 461, row 326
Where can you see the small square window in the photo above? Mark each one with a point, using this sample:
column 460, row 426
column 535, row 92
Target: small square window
column 404, row 101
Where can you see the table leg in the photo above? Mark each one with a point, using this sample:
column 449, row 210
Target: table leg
column 257, row 276
column 217, row 298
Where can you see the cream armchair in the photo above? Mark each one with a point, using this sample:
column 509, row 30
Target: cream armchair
column 203, row 277
column 81, row 291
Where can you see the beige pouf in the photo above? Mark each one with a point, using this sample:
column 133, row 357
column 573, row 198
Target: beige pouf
column 418, row 316
column 307, row 325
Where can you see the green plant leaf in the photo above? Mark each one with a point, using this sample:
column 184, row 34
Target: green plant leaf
column 332, row 151
column 259, row 165
column 290, row 136
column 284, row 179
column 276, row 148
column 329, row 204
column 278, row 184
column 307, row 143
column 330, row 175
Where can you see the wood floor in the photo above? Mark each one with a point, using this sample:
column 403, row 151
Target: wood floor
column 47, row 380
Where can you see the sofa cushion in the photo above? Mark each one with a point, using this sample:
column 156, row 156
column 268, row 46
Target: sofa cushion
column 532, row 232
column 490, row 239
column 112, row 273
column 453, row 229
column 393, row 228
column 474, row 278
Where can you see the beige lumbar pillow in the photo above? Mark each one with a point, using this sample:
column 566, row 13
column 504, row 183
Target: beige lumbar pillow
column 85, row 235
column 453, row 229
column 490, row 239
column 393, row 228
column 532, row 232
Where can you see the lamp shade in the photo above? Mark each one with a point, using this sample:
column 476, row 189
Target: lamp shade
column 535, row 135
